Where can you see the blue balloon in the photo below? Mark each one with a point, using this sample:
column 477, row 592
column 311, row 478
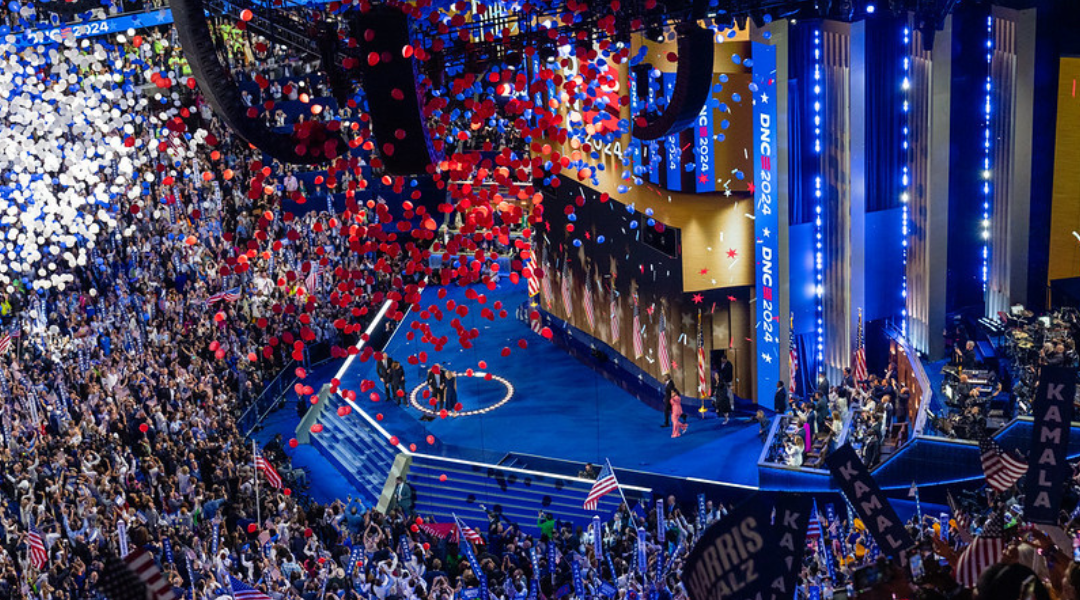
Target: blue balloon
column 648, row 211
column 577, row 243
column 571, row 217
column 736, row 97
column 600, row 239
column 651, row 222
column 633, row 224
column 13, row 6
column 736, row 59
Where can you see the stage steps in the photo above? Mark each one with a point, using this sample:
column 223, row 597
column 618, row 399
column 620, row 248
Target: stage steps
column 363, row 455
column 521, row 495
column 359, row 452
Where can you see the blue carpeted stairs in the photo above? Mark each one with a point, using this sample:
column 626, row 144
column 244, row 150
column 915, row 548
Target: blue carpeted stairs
column 364, row 456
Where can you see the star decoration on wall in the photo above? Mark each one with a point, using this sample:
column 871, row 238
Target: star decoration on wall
column 698, row 298
column 704, row 271
column 767, row 357
column 751, row 187
column 732, row 253
column 732, row 299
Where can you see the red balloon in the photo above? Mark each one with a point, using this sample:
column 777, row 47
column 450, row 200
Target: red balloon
column 546, row 332
column 482, row 364
column 144, row 427
column 458, row 407
column 252, row 527
column 443, row 413
column 394, row 440
column 287, row 492
column 379, row 417
column 442, row 477
column 294, row 443
column 431, row 439
column 316, row 428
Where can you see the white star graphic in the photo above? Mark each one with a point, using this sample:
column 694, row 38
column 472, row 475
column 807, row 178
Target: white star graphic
column 727, row 192
column 766, row 232
column 764, row 98
column 767, row 357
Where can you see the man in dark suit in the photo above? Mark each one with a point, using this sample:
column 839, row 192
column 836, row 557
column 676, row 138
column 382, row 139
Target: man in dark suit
column 669, row 391
column 382, row 369
column 727, row 371
column 849, row 379
column 780, row 398
column 436, row 381
column 397, row 383
column 822, row 385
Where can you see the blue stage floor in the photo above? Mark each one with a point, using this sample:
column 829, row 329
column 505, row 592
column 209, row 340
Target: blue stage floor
column 560, row 407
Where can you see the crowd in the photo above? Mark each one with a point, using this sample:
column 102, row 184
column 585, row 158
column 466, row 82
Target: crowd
column 120, row 387
column 120, row 393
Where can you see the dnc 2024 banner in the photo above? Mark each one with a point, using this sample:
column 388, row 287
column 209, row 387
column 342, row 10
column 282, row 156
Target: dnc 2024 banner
column 766, row 220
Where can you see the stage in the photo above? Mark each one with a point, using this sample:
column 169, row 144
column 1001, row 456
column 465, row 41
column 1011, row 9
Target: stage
column 558, row 407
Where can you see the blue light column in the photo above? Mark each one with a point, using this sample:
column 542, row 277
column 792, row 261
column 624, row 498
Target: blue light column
column 986, row 156
column 905, row 174
column 819, row 236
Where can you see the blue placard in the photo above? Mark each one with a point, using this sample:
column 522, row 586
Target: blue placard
column 766, row 221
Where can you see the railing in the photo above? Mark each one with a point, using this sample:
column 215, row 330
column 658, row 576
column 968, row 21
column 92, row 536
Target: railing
column 278, row 387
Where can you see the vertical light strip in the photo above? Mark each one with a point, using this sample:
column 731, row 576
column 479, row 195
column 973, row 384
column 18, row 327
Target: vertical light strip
column 905, row 174
column 819, row 237
column 986, row 155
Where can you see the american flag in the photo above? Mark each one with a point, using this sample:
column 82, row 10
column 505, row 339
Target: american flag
column 566, row 297
column 1001, row 470
column 984, row 550
column 135, row 577
column 267, row 469
column 226, row 296
column 5, row 342
column 604, row 485
column 590, row 316
column 443, row 531
column 661, row 346
column 702, row 372
column 535, row 322
column 545, row 286
column 468, row 532
column 243, row 591
column 614, row 316
column 793, row 354
column 813, row 528
column 639, row 346
column 38, row 556
column 312, row 279
column 860, row 354
column 531, row 278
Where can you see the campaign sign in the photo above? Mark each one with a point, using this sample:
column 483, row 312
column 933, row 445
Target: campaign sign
column 728, row 561
column 871, row 505
column 1048, row 468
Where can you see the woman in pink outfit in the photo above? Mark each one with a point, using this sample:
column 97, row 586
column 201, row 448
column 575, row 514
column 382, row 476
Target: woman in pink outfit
column 677, row 427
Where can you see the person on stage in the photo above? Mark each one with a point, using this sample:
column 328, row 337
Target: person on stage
column 450, row 391
column 669, row 391
column 677, row 426
column 721, row 396
column 397, row 383
column 436, row 382
column 382, row 369
column 780, row 399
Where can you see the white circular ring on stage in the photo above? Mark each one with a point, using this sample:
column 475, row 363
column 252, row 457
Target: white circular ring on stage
column 414, row 397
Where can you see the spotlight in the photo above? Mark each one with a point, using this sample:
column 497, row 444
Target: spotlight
column 870, row 8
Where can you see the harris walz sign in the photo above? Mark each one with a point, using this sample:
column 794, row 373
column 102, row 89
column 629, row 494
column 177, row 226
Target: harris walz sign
column 751, row 552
